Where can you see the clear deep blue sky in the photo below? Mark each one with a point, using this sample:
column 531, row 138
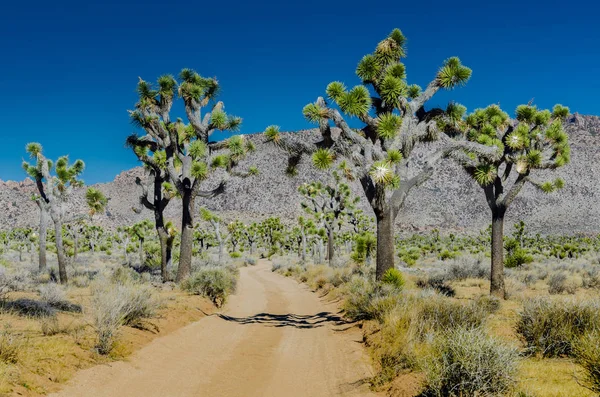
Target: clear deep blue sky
column 68, row 69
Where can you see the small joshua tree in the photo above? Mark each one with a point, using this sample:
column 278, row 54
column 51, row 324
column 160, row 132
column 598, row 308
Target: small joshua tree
column 215, row 222
column 96, row 201
column 53, row 192
column 189, row 156
column 535, row 141
column 141, row 232
column 329, row 205
column 395, row 121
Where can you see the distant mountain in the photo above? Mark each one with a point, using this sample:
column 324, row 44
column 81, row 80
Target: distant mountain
column 449, row 201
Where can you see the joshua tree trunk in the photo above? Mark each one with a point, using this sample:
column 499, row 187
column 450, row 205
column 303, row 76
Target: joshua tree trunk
column 141, row 252
column 330, row 245
column 303, row 247
column 497, row 272
column 75, row 244
column 187, row 236
column 60, row 252
column 166, row 248
column 385, row 242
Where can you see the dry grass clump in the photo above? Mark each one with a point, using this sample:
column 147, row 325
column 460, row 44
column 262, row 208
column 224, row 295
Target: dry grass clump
column 438, row 313
column 467, row 362
column 215, row 283
column 10, row 345
column 114, row 305
column 552, row 328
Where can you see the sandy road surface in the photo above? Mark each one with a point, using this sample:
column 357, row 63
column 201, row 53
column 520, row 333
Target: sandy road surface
column 274, row 338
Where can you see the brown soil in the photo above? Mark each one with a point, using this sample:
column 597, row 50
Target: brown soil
column 274, row 338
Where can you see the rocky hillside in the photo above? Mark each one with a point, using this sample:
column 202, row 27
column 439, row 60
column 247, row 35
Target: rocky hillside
column 450, row 200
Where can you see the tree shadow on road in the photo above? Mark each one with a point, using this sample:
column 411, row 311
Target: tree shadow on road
column 289, row 320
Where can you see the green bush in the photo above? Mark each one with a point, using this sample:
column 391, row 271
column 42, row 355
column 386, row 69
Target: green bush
column 552, row 328
column 214, row 283
column 235, row 255
column 467, row 362
column 587, row 354
column 394, row 278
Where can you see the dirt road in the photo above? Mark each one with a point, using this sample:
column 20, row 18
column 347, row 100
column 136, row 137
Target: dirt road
column 274, row 338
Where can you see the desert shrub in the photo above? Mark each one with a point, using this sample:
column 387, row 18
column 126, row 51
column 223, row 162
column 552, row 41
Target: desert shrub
column 438, row 283
column 517, row 258
column 446, row 254
column 552, row 327
column 410, row 255
column 114, row 305
column 358, row 293
column 559, row 283
column 590, row 278
column 394, row 278
column 392, row 347
column 467, row 362
column 124, row 275
column 439, row 313
column 52, row 293
column 587, row 355
column 463, row 270
column 488, row 303
column 29, row 308
column 51, row 326
column 213, row 283
column 339, row 276
column 235, row 255
column 80, row 281
column 250, row 261
column 10, row 345
column 56, row 297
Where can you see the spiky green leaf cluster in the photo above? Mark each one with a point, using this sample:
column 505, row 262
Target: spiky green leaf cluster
column 272, row 133
column 323, row 158
column 453, row 74
column 200, row 169
column 388, row 125
column 485, row 174
column 314, row 113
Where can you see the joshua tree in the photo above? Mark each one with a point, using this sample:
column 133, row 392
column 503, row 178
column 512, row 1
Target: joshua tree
column 395, row 121
column 53, row 192
column 215, row 222
column 304, row 227
column 236, row 231
column 141, row 231
column 252, row 233
column 189, row 156
column 535, row 141
column 156, row 199
column 328, row 204
column 271, row 230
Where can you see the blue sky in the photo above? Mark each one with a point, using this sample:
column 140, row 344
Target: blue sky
column 68, row 69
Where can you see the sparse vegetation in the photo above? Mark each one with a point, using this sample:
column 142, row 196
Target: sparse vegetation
column 215, row 283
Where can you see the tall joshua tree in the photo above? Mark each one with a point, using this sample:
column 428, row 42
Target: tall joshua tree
column 329, row 205
column 189, row 156
column 53, row 192
column 535, row 141
column 158, row 198
column 394, row 120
